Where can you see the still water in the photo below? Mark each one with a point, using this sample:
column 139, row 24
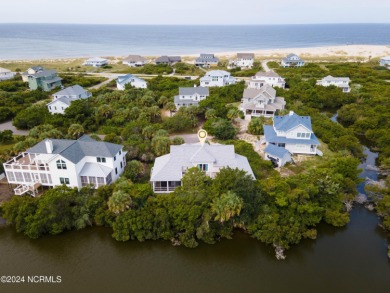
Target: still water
column 349, row 259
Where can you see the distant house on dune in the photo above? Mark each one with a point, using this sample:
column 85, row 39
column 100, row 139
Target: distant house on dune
column 63, row 98
column 168, row 60
column 190, row 96
column 341, row 82
column 32, row 70
column 206, row 60
column 135, row 61
column 217, row 78
column 6, row 74
column 46, row 80
column 385, row 61
column 270, row 77
column 96, row 62
column 243, row 60
column 292, row 60
column 135, row 81
column 261, row 102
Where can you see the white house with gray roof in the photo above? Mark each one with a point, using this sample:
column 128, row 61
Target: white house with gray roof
column 292, row 60
column 75, row 163
column 6, row 74
column 243, row 60
column 168, row 170
column 206, row 60
column 293, row 133
column 269, row 77
column 135, row 61
column 190, row 96
column 31, row 71
column 63, row 98
column 341, row 82
column 385, row 61
column 135, row 81
column 96, row 62
column 217, row 78
column 261, row 102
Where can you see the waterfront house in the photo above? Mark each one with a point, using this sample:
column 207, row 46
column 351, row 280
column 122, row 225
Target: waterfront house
column 206, row 60
column 190, row 96
column 63, row 99
column 135, row 61
column 293, row 133
column 135, row 81
column 75, row 163
column 385, row 61
column 168, row 170
column 292, row 60
column 168, row 60
column 261, row 102
column 243, row 60
column 217, row 78
column 96, row 62
column 32, row 70
column 270, row 77
column 46, row 80
column 6, row 74
column 341, row 82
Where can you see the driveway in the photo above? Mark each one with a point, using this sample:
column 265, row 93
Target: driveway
column 8, row 125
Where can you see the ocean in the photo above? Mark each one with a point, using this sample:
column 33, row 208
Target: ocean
column 41, row 41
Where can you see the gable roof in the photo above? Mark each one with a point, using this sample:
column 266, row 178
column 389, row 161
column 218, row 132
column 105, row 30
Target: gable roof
column 335, row 79
column 168, row 59
column 188, row 91
column 124, row 79
column 270, row 73
column 275, row 151
column 266, row 91
column 207, row 58
column 170, row 167
column 135, row 58
column 292, row 120
column 245, row 56
column 76, row 150
column 44, row 73
column 74, row 90
column 271, row 137
column 217, row 73
column 64, row 100
column 4, row 70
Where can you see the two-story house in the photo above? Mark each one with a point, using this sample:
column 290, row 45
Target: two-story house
column 96, row 62
column 46, row 80
column 32, row 70
column 261, row 102
column 243, row 60
column 135, row 81
column 269, row 77
column 190, row 96
column 293, row 133
column 75, row 163
column 6, row 74
column 168, row 60
column 217, row 78
column 206, row 60
column 63, row 99
column 341, row 82
column 135, row 61
column 292, row 60
column 385, row 61
column 168, row 170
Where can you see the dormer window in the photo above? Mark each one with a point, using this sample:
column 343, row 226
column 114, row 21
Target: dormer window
column 61, row 165
column 203, row 167
column 100, row 160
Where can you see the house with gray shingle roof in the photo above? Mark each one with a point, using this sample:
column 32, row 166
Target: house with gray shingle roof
column 292, row 60
column 217, row 78
column 190, row 96
column 131, row 79
column 135, row 61
column 63, row 98
column 6, row 74
column 341, row 82
column 168, row 60
column 243, row 60
column 206, row 60
column 261, row 102
column 46, row 80
column 96, row 62
column 75, row 163
column 385, row 61
column 168, row 170
column 32, row 70
column 293, row 133
column 268, row 77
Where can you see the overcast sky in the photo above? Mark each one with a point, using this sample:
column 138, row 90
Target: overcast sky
column 195, row 11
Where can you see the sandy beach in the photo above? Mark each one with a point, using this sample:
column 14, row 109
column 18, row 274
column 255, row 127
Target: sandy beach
column 345, row 52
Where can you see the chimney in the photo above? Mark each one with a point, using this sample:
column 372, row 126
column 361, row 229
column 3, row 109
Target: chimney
column 291, row 113
column 49, row 146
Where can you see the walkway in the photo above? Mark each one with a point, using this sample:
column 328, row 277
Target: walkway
column 265, row 66
column 8, row 125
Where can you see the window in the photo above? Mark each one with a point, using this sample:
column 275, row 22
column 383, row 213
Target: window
column 114, row 158
column 50, row 107
column 61, row 165
column 100, row 181
column 64, row 180
column 120, row 152
column 203, row 167
column 44, row 178
column 10, row 176
column 108, row 179
column 121, row 165
column 19, row 177
column 116, row 171
column 101, row 160
column 298, row 134
column 27, row 177
column 92, row 180
column 307, row 135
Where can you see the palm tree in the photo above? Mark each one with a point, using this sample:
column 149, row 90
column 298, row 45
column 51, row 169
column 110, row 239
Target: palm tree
column 210, row 114
column 170, row 106
column 75, row 131
column 119, row 202
column 233, row 113
column 155, row 113
column 105, row 110
column 226, row 206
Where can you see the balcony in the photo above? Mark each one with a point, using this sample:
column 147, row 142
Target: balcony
column 23, row 162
